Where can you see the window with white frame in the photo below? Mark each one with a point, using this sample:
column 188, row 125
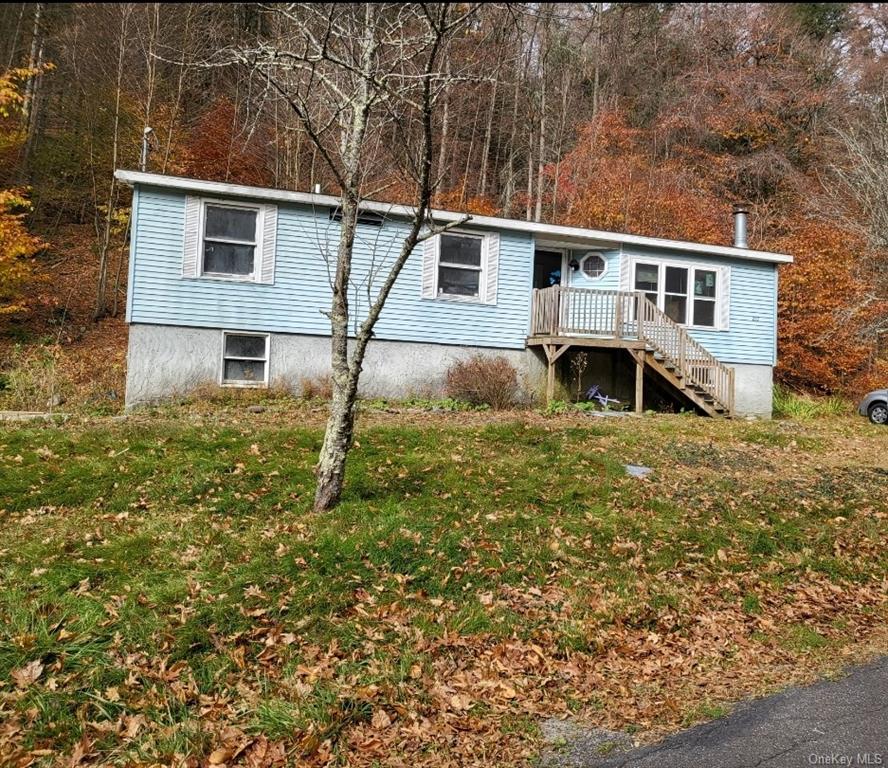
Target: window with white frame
column 593, row 265
column 686, row 294
column 230, row 240
column 705, row 297
column 460, row 265
column 245, row 359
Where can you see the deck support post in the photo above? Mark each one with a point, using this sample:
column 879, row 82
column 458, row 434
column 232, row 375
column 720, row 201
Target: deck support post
column 553, row 352
column 639, row 380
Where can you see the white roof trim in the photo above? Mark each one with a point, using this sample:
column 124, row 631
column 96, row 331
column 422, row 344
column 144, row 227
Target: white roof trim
column 553, row 231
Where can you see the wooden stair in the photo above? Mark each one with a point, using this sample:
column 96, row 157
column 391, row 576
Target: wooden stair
column 699, row 396
column 685, row 363
column 562, row 317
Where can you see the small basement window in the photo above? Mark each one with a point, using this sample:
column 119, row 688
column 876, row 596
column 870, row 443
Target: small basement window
column 229, row 240
column 460, row 265
column 245, row 359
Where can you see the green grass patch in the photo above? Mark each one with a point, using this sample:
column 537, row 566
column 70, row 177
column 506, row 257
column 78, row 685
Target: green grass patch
column 803, row 407
column 168, row 566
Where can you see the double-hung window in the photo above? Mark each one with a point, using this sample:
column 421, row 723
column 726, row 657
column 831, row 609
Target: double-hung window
column 704, row 297
column 689, row 295
column 460, row 265
column 245, row 359
column 230, row 241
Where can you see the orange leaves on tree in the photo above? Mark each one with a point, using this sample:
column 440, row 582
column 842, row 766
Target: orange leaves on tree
column 611, row 181
column 823, row 308
column 455, row 200
column 17, row 245
column 17, row 249
column 221, row 148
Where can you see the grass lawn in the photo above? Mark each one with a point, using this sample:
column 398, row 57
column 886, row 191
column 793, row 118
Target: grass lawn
column 169, row 598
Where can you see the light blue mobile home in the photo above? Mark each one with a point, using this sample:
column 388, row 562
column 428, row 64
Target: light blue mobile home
column 230, row 284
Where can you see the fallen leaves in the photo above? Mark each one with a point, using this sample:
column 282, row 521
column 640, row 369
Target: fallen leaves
column 441, row 638
column 28, row 675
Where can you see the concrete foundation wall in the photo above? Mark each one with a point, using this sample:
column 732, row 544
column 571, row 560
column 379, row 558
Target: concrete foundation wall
column 169, row 361
column 753, row 390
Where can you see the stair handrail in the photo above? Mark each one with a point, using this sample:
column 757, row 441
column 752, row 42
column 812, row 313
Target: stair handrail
column 685, row 353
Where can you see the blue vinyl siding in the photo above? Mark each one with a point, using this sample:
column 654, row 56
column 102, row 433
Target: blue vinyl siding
column 295, row 303
column 609, row 281
column 752, row 328
column 301, row 292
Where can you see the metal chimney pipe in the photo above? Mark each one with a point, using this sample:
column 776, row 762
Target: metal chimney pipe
column 740, row 213
column 146, row 146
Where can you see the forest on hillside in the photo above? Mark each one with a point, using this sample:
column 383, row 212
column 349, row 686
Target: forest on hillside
column 649, row 118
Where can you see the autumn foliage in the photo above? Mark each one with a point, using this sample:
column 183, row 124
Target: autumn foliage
column 17, row 245
column 611, row 181
column 17, row 249
column 221, row 147
column 824, row 308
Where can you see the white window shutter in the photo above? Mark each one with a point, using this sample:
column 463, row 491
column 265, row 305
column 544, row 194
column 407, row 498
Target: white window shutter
column 493, row 254
column 625, row 276
column 724, row 298
column 268, row 245
column 429, row 265
column 191, row 255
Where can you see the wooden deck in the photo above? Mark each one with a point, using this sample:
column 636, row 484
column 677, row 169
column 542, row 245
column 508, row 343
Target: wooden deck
column 562, row 318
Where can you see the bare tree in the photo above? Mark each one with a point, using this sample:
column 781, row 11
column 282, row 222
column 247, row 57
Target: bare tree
column 865, row 172
column 362, row 79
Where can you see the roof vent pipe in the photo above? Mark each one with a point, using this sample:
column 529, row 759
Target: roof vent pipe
column 740, row 213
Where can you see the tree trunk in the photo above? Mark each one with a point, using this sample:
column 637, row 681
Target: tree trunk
column 541, row 160
column 488, row 136
column 341, row 422
column 443, row 171
column 469, row 154
column 102, row 280
column 596, row 80
column 13, row 47
column 528, row 208
column 32, row 88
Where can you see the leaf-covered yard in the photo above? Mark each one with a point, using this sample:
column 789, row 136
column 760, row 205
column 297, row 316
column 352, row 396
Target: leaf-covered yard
column 168, row 597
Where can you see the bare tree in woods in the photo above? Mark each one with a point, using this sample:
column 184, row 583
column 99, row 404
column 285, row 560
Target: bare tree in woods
column 125, row 11
column 364, row 80
column 864, row 171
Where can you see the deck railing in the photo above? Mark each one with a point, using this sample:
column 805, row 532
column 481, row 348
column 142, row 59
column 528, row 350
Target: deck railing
column 563, row 311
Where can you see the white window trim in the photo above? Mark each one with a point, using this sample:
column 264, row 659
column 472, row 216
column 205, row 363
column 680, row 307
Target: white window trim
column 483, row 269
column 691, row 267
column 223, row 382
column 254, row 276
column 589, row 254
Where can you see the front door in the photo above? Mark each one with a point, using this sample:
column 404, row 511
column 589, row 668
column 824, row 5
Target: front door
column 547, row 269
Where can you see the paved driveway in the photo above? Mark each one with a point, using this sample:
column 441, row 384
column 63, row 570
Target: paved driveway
column 841, row 723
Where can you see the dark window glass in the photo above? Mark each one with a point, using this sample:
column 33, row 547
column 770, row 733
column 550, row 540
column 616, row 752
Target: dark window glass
column 230, row 224
column 704, row 313
column 458, row 282
column 228, row 258
column 458, row 249
column 647, row 278
column 675, row 307
column 677, row 280
column 704, row 283
column 245, row 346
column 245, row 370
